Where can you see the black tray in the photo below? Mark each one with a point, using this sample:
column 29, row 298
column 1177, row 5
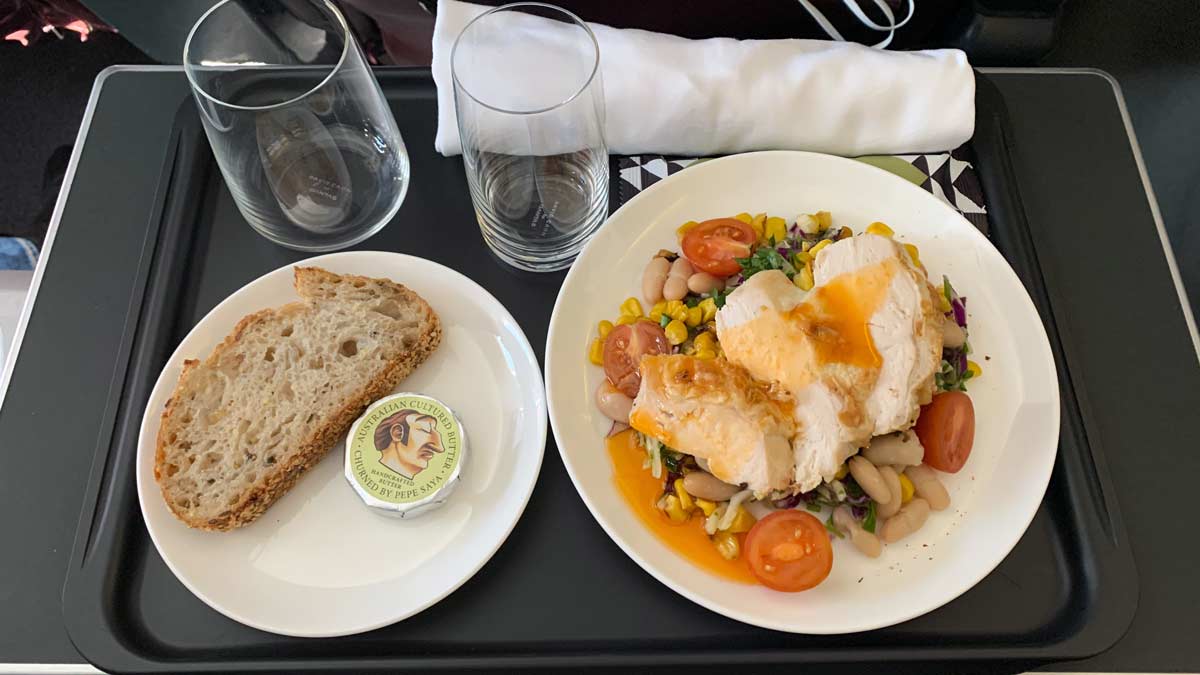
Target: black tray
column 558, row 592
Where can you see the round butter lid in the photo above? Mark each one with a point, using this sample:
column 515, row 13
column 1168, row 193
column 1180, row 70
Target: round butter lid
column 404, row 456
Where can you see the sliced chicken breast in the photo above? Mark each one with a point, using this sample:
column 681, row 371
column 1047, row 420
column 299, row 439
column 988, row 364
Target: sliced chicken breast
column 906, row 328
column 713, row 410
column 856, row 352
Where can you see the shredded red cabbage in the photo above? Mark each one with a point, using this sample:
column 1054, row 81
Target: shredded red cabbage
column 959, row 307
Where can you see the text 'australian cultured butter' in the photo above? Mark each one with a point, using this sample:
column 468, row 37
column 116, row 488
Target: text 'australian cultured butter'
column 404, row 456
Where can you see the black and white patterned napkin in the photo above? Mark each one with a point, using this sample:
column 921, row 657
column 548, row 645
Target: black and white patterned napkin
column 949, row 176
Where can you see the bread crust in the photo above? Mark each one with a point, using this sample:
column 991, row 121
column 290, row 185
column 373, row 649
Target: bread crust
column 276, row 481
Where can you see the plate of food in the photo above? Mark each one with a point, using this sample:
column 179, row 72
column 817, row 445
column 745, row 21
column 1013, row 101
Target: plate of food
column 341, row 443
column 768, row 386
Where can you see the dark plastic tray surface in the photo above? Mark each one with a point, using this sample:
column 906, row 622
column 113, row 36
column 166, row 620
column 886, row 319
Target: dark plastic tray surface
column 558, row 592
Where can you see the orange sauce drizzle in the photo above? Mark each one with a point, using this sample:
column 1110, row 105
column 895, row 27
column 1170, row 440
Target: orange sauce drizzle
column 836, row 316
column 641, row 490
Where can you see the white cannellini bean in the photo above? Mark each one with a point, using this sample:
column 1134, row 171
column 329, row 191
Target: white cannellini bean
column 901, row 448
column 676, row 285
column 707, row 486
column 867, row 543
column 953, row 336
column 615, row 405
column 893, row 482
column 653, row 279
column 927, row 486
column 910, row 519
column 868, row 478
column 703, row 282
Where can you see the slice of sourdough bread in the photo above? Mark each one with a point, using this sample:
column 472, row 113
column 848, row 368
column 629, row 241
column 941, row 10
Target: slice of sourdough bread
column 282, row 389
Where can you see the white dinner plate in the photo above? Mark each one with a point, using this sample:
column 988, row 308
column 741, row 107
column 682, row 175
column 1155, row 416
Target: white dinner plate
column 318, row 562
column 993, row 498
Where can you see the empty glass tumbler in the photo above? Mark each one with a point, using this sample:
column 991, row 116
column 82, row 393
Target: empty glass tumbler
column 297, row 123
column 530, row 106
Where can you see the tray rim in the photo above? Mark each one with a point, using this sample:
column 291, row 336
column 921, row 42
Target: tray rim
column 1067, row 648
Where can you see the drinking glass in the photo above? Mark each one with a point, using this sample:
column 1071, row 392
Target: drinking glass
column 530, row 106
column 297, row 123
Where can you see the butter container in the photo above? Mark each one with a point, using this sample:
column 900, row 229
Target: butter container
column 404, row 456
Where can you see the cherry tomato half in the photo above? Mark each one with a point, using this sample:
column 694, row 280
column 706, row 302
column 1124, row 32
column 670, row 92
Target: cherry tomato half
column 623, row 351
column 714, row 245
column 946, row 428
column 789, row 551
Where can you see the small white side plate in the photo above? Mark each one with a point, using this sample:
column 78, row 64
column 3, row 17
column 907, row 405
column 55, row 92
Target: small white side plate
column 1016, row 401
column 319, row 563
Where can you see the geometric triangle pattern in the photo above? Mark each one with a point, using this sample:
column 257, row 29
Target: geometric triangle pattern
column 949, row 176
column 638, row 172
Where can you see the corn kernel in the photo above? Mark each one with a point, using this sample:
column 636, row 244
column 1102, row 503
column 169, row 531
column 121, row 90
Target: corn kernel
column 625, row 320
column 683, row 229
column 685, row 500
column 824, row 220
column 805, row 246
column 676, row 310
column 604, row 328
column 705, row 354
column 706, row 506
column 676, row 332
column 817, row 247
column 744, row 217
column 804, row 279
column 742, row 522
column 705, row 340
column 913, row 253
column 596, row 352
column 880, row 228
column 656, row 311
column 906, row 489
column 845, row 233
column 675, row 510
column 694, row 316
column 756, row 224
column 944, row 302
column 727, row 545
column 632, row 306
column 708, row 308
column 974, row 369
column 842, row 471
column 775, row 228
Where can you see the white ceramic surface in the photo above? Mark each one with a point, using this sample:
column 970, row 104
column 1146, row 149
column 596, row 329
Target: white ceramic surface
column 994, row 497
column 319, row 563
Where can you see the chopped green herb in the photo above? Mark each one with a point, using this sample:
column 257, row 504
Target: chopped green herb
column 869, row 521
column 763, row 259
column 853, row 490
column 718, row 297
column 813, row 506
column 833, row 529
column 664, row 320
column 691, row 300
column 673, row 460
column 950, row 378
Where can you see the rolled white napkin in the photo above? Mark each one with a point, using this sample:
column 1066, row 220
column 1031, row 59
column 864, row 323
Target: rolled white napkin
column 670, row 95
